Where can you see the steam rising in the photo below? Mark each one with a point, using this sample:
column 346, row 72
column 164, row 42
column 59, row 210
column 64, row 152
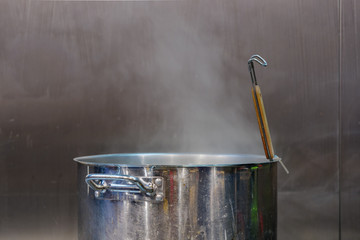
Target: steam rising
column 187, row 67
column 154, row 76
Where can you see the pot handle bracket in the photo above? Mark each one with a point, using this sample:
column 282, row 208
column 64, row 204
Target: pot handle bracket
column 121, row 187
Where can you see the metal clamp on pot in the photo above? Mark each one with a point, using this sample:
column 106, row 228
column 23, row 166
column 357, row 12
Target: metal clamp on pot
column 121, row 187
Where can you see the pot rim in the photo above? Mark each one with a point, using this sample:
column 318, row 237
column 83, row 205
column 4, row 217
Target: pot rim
column 173, row 159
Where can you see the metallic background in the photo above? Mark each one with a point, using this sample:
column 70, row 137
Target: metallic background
column 80, row 78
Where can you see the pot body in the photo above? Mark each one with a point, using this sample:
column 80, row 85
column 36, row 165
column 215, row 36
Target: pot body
column 165, row 202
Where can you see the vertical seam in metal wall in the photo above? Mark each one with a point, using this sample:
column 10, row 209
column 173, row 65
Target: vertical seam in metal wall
column 339, row 112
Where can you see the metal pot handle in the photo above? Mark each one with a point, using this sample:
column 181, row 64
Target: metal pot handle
column 148, row 188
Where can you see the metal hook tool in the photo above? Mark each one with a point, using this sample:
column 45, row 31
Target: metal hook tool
column 260, row 110
column 259, row 107
column 259, row 60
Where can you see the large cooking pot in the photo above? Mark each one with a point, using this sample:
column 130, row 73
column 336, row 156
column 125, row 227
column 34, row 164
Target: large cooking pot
column 177, row 196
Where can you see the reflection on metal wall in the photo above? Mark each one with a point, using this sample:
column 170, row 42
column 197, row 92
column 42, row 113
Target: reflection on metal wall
column 80, row 78
column 350, row 124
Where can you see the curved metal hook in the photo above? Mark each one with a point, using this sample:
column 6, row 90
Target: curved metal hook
column 258, row 59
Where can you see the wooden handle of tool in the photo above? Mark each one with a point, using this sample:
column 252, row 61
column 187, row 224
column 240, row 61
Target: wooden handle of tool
column 265, row 133
column 259, row 122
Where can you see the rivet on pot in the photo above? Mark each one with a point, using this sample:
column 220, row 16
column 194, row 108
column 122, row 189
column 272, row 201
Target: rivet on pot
column 159, row 197
column 97, row 194
column 158, row 182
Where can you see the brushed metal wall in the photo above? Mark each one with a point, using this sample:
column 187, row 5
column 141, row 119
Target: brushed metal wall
column 81, row 78
column 350, row 119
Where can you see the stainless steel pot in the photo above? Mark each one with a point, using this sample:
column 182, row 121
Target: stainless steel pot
column 177, row 196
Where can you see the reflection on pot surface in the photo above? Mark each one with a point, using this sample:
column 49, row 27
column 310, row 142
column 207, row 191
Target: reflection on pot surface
column 138, row 196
